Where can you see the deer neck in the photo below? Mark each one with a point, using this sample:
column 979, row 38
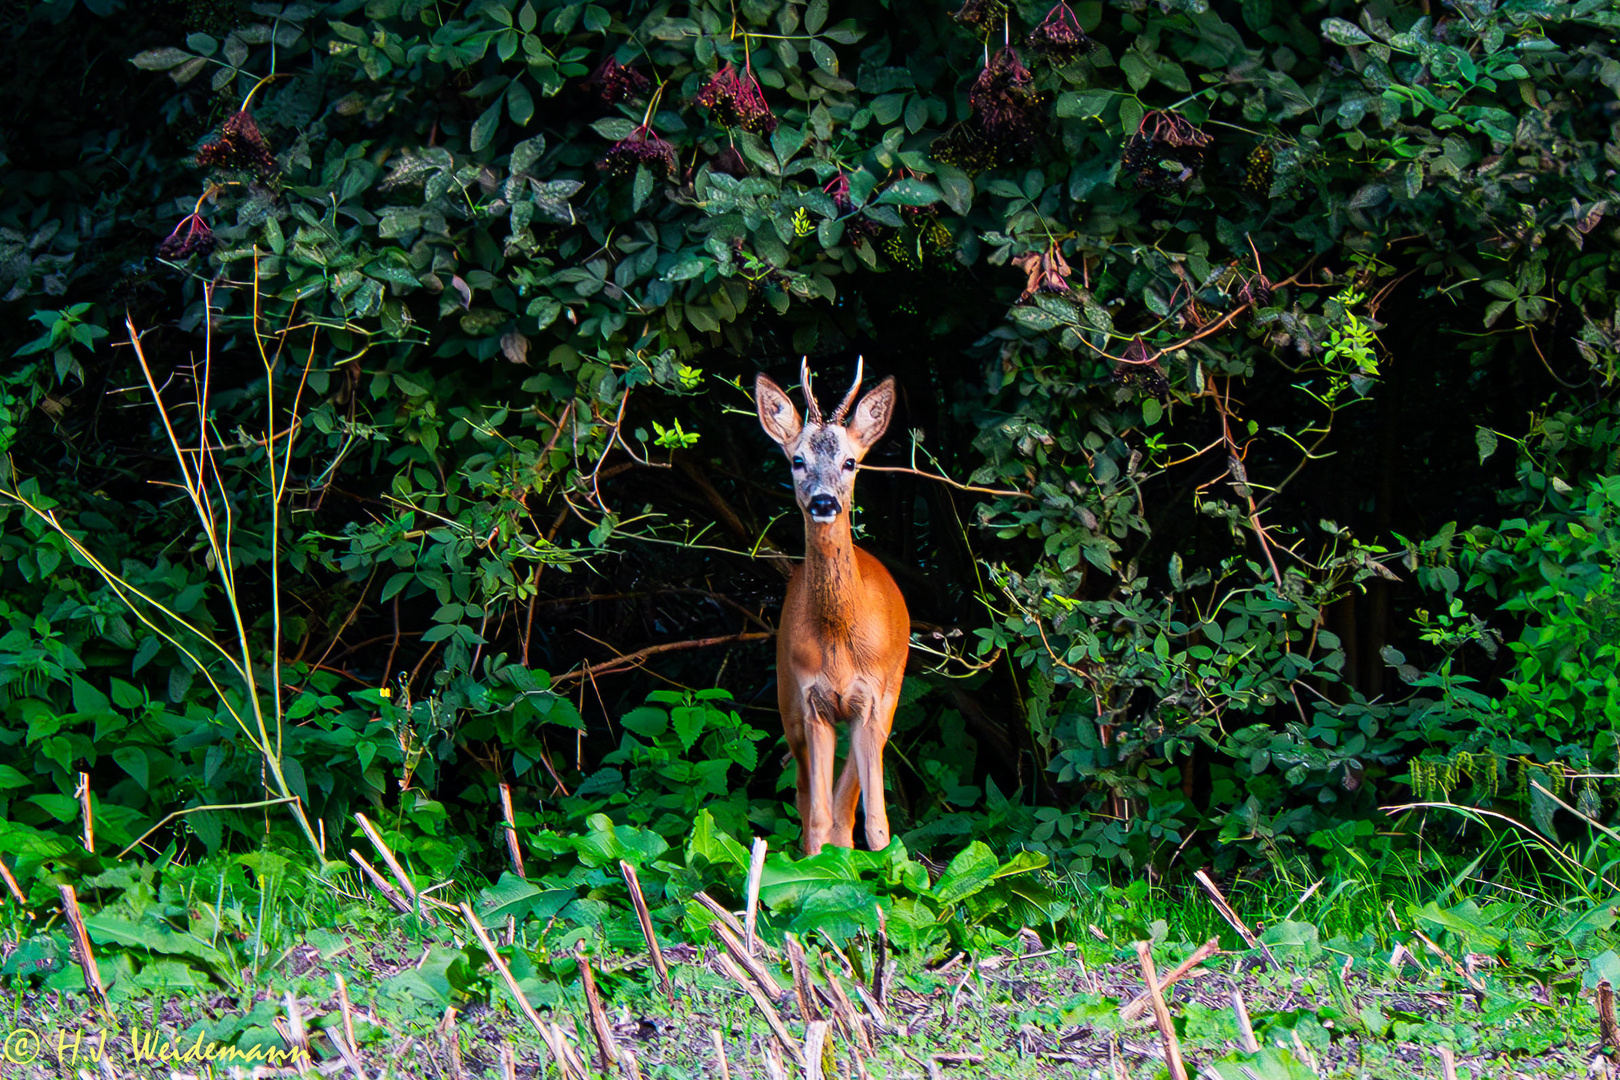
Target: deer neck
column 830, row 578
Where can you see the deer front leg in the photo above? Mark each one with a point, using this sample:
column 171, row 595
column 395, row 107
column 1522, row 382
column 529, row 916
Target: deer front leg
column 816, row 770
column 868, row 735
column 846, row 797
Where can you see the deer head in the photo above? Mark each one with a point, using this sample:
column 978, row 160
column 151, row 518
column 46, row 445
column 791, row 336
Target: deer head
column 824, row 453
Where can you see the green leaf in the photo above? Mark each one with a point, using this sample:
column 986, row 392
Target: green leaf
column 689, row 722
column 641, row 188
column 1485, row 441
column 1136, row 70
column 916, row 114
column 132, row 759
column 1343, row 32
column 160, row 59
column 957, row 187
column 648, row 721
column 824, row 56
column 526, row 153
column 910, row 192
column 973, row 868
column 815, row 16
column 519, row 103
column 483, row 129
column 710, row 843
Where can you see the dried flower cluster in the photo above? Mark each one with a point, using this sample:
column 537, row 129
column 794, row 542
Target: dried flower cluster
column 1165, row 154
column 1009, row 109
column 837, row 189
column 1140, row 364
column 642, row 146
column 190, row 237
column 1059, row 37
column 239, row 146
column 1047, row 271
column 858, row 229
column 1257, row 291
column 982, row 17
column 1007, row 119
column 735, row 100
column 613, row 82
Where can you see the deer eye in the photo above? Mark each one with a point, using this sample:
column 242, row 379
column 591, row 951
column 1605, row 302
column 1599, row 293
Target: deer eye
column 849, row 465
column 798, row 462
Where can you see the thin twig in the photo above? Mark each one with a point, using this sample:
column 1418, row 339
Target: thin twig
column 958, row 485
column 633, row 659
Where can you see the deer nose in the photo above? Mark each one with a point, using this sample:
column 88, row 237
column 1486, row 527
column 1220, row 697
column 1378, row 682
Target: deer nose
column 823, row 507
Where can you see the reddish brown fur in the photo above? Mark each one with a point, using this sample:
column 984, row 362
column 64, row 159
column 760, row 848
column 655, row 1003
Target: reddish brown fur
column 841, row 644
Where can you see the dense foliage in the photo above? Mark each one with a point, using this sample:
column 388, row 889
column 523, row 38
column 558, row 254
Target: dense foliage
column 1270, row 350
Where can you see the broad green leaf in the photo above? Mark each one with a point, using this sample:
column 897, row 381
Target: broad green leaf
column 1343, row 32
column 972, row 869
column 483, row 129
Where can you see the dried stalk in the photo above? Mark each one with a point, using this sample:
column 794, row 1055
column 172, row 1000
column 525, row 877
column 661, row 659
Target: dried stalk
column 81, row 946
column 513, row 852
column 1133, row 1009
column 1251, row 1045
column 644, row 918
column 1161, row 1014
column 606, row 1045
column 756, row 869
column 1232, row 919
column 729, row 968
column 808, row 1009
column 1608, row 1029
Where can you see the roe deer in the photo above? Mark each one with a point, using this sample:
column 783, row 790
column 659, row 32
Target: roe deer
column 841, row 644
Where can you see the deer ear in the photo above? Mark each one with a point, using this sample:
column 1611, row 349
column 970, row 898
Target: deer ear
column 872, row 415
column 776, row 413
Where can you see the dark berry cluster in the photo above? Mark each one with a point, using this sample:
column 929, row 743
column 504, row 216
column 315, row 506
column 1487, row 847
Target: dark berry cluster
column 239, row 145
column 192, row 236
column 735, row 100
column 1257, row 171
column 613, row 82
column 642, row 146
column 1059, row 37
column 966, row 147
column 1165, row 154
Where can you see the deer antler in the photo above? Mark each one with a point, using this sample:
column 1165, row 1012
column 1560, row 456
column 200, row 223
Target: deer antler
column 811, row 409
column 849, row 398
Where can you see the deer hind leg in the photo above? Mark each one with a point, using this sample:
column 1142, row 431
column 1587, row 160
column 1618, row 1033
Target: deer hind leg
column 868, row 735
column 816, row 771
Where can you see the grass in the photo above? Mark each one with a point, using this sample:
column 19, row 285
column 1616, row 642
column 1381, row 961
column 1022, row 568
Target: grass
column 1367, row 976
